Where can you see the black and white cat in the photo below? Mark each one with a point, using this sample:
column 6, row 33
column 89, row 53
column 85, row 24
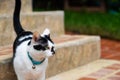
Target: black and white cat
column 31, row 50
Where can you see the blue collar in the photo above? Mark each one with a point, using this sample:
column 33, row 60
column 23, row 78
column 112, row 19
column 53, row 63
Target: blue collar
column 34, row 62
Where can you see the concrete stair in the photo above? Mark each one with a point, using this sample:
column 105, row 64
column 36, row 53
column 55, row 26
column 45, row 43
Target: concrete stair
column 33, row 21
column 36, row 21
column 97, row 70
column 71, row 51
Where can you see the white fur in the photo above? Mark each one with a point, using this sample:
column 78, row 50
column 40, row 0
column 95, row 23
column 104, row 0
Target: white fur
column 23, row 65
column 48, row 52
column 22, row 38
column 46, row 32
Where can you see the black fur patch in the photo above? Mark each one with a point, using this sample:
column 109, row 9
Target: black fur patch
column 29, row 43
column 42, row 44
column 52, row 50
column 17, row 42
column 39, row 47
column 48, row 37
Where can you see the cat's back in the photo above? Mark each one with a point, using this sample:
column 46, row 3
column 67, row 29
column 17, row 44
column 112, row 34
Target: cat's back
column 23, row 37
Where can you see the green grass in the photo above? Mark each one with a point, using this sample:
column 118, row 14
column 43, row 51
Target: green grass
column 103, row 24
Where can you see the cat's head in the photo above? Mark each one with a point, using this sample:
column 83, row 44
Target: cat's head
column 42, row 44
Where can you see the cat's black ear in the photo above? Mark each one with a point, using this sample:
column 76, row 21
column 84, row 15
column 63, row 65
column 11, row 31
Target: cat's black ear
column 48, row 35
column 35, row 36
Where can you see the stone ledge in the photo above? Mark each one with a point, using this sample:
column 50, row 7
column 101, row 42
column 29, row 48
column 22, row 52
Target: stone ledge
column 72, row 51
column 101, row 67
column 75, row 40
column 37, row 21
column 7, row 6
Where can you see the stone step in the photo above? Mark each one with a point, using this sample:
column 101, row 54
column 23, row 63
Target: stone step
column 36, row 21
column 7, row 6
column 97, row 70
column 71, row 52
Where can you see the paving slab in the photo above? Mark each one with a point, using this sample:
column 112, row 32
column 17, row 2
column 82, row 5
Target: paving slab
column 110, row 49
column 98, row 70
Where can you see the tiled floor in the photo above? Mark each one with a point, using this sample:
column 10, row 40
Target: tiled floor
column 111, row 72
column 110, row 49
column 98, row 70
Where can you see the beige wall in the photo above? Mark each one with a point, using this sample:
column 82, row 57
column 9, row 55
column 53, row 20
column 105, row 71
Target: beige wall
column 34, row 22
column 7, row 6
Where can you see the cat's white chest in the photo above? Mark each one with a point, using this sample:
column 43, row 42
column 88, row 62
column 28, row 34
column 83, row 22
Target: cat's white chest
column 23, row 65
column 34, row 74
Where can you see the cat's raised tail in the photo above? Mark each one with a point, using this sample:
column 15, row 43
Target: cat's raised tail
column 16, row 18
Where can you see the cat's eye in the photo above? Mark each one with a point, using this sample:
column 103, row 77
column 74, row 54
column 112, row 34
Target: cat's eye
column 47, row 47
column 38, row 47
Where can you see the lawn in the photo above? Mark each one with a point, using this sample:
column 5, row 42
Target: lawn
column 103, row 24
